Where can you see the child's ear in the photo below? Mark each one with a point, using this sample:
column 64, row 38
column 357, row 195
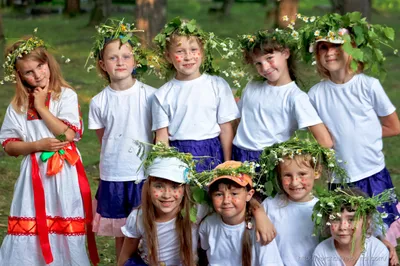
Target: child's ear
column 102, row 65
column 286, row 53
column 167, row 57
column 249, row 195
column 317, row 174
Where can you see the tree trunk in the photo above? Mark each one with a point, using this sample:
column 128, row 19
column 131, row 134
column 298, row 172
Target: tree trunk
column 363, row 6
column 72, row 7
column 100, row 11
column 337, row 6
column 286, row 8
column 151, row 16
column 1, row 29
column 227, row 6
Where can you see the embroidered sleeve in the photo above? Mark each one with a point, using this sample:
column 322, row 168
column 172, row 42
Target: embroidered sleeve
column 69, row 112
column 13, row 128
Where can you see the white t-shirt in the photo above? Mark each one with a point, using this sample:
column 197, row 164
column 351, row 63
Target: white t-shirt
column 294, row 227
column 167, row 239
column 271, row 114
column 351, row 112
column 194, row 109
column 126, row 117
column 223, row 244
column 375, row 254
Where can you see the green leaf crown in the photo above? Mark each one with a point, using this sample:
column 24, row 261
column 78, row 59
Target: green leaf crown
column 268, row 181
column 24, row 48
column 211, row 44
column 353, row 30
column 114, row 29
column 331, row 203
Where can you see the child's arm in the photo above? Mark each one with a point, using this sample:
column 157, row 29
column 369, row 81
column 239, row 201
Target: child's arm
column 390, row 125
column 100, row 134
column 16, row 148
column 162, row 135
column 393, row 258
column 226, row 138
column 322, row 135
column 129, row 247
column 265, row 229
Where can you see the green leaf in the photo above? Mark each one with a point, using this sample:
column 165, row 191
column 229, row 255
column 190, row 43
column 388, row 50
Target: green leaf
column 269, row 188
column 198, row 194
column 389, row 32
column 193, row 214
column 353, row 65
column 379, row 55
column 357, row 54
column 359, row 35
column 125, row 39
column 355, row 16
column 190, row 27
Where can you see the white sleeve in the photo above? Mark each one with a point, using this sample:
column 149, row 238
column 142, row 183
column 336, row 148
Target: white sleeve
column 95, row 116
column 380, row 101
column 12, row 127
column 203, row 234
column 319, row 257
column 159, row 115
column 132, row 227
column 268, row 254
column 69, row 112
column 304, row 111
column 379, row 254
column 227, row 109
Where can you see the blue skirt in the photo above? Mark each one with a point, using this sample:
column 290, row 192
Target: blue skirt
column 375, row 185
column 207, row 147
column 242, row 155
column 136, row 260
column 115, row 200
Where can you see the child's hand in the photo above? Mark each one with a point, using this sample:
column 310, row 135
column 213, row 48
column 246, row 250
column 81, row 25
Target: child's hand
column 50, row 144
column 393, row 258
column 265, row 230
column 40, row 95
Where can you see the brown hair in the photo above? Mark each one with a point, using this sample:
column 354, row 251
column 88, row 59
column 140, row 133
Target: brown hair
column 40, row 54
column 246, row 239
column 102, row 72
column 268, row 47
column 183, row 225
column 324, row 73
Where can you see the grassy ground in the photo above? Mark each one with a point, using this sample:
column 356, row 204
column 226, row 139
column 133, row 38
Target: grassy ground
column 71, row 38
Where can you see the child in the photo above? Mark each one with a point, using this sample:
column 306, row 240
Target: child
column 51, row 205
column 348, row 214
column 354, row 106
column 297, row 164
column 228, row 235
column 162, row 222
column 121, row 116
column 193, row 110
column 274, row 108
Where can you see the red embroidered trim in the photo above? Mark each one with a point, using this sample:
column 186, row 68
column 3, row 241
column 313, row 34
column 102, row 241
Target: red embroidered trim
column 71, row 126
column 27, row 226
column 9, row 140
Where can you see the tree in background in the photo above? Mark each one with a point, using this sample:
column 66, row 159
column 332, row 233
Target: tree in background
column 283, row 8
column 72, row 7
column 1, row 29
column 100, row 11
column 151, row 16
column 344, row 6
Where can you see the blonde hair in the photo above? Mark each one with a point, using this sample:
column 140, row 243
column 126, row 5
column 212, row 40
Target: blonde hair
column 183, row 225
column 324, row 73
column 40, row 54
column 246, row 239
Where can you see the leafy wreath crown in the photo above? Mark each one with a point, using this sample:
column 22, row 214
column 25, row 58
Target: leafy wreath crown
column 268, row 181
column 361, row 40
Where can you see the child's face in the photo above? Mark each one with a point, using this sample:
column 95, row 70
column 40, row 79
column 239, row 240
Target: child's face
column 166, row 197
column 332, row 57
column 345, row 227
column 186, row 56
column 297, row 180
column 273, row 67
column 230, row 203
column 33, row 73
column 118, row 61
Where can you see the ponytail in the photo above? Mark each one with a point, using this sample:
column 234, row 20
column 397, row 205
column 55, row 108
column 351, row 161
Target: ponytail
column 246, row 239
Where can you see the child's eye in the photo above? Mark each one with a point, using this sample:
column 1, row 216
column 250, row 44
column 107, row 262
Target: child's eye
column 194, row 49
column 175, row 186
column 113, row 58
column 127, row 56
column 257, row 64
column 269, row 58
column 40, row 65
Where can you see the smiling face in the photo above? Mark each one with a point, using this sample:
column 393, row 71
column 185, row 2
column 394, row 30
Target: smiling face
column 297, row 177
column 186, row 55
column 229, row 200
column 33, row 73
column 118, row 61
column 332, row 57
column 273, row 66
column 166, row 197
column 345, row 228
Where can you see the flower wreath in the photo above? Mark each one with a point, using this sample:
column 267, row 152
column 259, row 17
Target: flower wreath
column 115, row 29
column 268, row 181
column 211, row 43
column 351, row 30
column 329, row 207
column 24, row 48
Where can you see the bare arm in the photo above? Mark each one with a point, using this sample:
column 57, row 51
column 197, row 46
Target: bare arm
column 322, row 135
column 390, row 125
column 129, row 247
column 16, row 148
column 100, row 134
column 162, row 135
column 226, row 138
column 265, row 229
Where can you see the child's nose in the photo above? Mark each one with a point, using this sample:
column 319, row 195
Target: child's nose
column 227, row 199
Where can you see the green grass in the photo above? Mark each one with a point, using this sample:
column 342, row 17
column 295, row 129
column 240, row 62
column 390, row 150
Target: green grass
column 71, row 38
